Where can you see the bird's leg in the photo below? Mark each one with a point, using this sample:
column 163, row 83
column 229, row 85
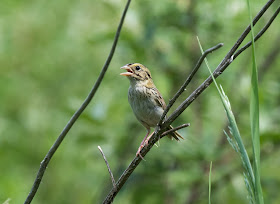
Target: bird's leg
column 142, row 144
column 147, row 140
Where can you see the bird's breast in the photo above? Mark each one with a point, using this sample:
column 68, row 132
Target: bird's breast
column 144, row 106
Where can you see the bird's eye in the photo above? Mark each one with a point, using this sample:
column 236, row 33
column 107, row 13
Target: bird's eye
column 137, row 68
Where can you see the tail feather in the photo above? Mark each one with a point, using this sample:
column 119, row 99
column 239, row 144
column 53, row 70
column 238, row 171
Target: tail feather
column 175, row 135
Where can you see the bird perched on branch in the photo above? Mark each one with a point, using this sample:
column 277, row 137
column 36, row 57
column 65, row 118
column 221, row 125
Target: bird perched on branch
column 145, row 100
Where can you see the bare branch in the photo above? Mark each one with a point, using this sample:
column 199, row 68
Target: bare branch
column 186, row 83
column 161, row 126
column 244, row 34
column 76, row 115
column 174, row 129
column 107, row 164
column 238, row 52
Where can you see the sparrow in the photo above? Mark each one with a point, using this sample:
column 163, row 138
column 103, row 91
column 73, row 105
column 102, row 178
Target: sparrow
column 145, row 100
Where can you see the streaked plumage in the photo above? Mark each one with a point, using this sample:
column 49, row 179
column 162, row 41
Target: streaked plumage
column 144, row 99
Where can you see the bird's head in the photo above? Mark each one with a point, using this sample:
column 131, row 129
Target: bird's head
column 137, row 72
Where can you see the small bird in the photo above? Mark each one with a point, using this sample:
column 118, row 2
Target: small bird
column 145, row 100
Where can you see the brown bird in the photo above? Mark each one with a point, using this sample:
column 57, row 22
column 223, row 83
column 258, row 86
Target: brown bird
column 145, row 100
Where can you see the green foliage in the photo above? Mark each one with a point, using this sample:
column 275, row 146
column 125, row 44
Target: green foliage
column 51, row 53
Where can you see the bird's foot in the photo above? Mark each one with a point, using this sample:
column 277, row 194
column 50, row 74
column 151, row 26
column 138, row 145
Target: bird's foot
column 138, row 152
column 147, row 141
column 148, row 138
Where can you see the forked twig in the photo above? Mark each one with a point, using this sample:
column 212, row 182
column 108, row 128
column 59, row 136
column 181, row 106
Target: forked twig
column 188, row 80
column 262, row 31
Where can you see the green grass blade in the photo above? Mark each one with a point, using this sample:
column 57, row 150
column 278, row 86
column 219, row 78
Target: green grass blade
column 236, row 141
column 254, row 116
column 209, row 199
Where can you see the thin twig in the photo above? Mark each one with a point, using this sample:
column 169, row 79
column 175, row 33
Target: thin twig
column 244, row 34
column 238, row 52
column 109, row 169
column 159, row 129
column 186, row 83
column 76, row 115
column 174, row 129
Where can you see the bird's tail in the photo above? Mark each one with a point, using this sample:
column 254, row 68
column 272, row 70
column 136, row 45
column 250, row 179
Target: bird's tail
column 174, row 135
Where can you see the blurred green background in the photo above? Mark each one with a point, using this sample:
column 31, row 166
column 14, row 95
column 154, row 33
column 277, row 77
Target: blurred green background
column 51, row 53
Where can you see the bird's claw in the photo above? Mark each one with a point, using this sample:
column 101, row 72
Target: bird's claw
column 147, row 140
column 138, row 152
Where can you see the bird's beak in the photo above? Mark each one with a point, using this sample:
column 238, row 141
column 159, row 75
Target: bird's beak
column 128, row 69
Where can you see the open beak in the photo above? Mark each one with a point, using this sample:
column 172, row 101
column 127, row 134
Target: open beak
column 128, row 69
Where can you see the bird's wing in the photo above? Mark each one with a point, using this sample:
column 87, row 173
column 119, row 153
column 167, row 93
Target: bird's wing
column 158, row 98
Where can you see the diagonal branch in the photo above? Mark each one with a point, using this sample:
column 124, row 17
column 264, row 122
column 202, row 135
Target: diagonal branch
column 238, row 52
column 228, row 59
column 245, row 33
column 219, row 70
column 190, row 77
column 76, row 115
